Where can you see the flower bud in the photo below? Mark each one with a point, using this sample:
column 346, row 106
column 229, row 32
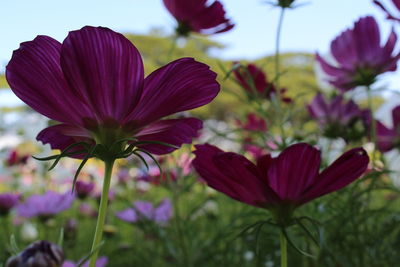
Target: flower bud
column 38, row 254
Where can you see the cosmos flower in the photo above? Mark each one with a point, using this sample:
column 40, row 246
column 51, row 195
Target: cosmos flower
column 389, row 138
column 389, row 15
column 359, row 56
column 340, row 118
column 7, row 202
column 253, row 123
column 255, row 82
column 83, row 189
column 101, row 262
column 45, row 206
column 14, row 158
column 279, row 184
column 93, row 84
column 38, row 254
column 142, row 211
column 198, row 16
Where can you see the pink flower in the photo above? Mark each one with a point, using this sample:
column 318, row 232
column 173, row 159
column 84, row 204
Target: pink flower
column 389, row 138
column 93, row 84
column 15, row 158
column 83, row 189
column 340, row 118
column 101, row 262
column 279, row 184
column 389, row 16
column 359, row 56
column 253, row 123
column 198, row 16
column 255, row 82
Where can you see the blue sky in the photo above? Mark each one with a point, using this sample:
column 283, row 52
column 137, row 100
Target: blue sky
column 308, row 28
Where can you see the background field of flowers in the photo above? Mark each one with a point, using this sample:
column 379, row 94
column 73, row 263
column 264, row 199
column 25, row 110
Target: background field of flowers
column 172, row 218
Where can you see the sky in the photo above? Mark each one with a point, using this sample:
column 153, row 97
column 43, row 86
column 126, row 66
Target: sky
column 308, row 28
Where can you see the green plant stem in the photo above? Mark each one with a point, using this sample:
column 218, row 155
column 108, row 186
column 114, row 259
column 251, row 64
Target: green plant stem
column 373, row 124
column 102, row 212
column 277, row 75
column 179, row 229
column 283, row 249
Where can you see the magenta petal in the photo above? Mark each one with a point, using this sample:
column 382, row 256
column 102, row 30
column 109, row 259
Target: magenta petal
column 105, row 69
column 340, row 173
column 396, row 118
column 386, row 137
column 232, row 175
column 35, row 76
column 62, row 135
column 295, row 169
column 180, row 85
column 175, row 132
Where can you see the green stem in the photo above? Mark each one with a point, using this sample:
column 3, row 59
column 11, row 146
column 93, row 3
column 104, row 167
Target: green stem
column 277, row 47
column 102, row 212
column 278, row 74
column 283, row 249
column 373, row 124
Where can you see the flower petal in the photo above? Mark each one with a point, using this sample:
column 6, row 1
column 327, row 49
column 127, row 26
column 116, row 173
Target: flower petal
column 232, row 175
column 175, row 132
column 180, row 85
column 295, row 169
column 127, row 215
column 340, row 173
column 386, row 137
column 396, row 118
column 105, row 69
column 35, row 76
column 63, row 135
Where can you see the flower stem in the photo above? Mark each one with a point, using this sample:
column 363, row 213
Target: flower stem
column 102, row 212
column 373, row 124
column 277, row 47
column 283, row 249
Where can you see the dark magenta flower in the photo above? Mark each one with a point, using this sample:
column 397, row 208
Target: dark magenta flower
column 389, row 138
column 83, row 189
column 101, row 262
column 279, row 184
column 15, row 158
column 340, row 118
column 38, row 254
column 389, row 15
column 253, row 123
column 359, row 56
column 46, row 205
column 93, row 84
column 198, row 16
column 145, row 211
column 255, row 82
column 7, row 202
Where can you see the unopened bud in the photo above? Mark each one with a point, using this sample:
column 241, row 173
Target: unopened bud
column 38, row 254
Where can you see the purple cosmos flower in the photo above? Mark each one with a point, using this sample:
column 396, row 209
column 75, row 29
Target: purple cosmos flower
column 45, row 206
column 7, row 202
column 38, row 254
column 198, row 16
column 93, row 84
column 253, row 123
column 389, row 16
column 255, row 82
column 14, row 158
column 359, row 56
column 280, row 184
column 83, row 189
column 101, row 262
column 340, row 118
column 389, row 138
column 143, row 210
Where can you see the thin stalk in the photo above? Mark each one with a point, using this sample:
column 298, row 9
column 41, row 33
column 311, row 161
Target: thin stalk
column 373, row 124
column 278, row 74
column 102, row 212
column 283, row 249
